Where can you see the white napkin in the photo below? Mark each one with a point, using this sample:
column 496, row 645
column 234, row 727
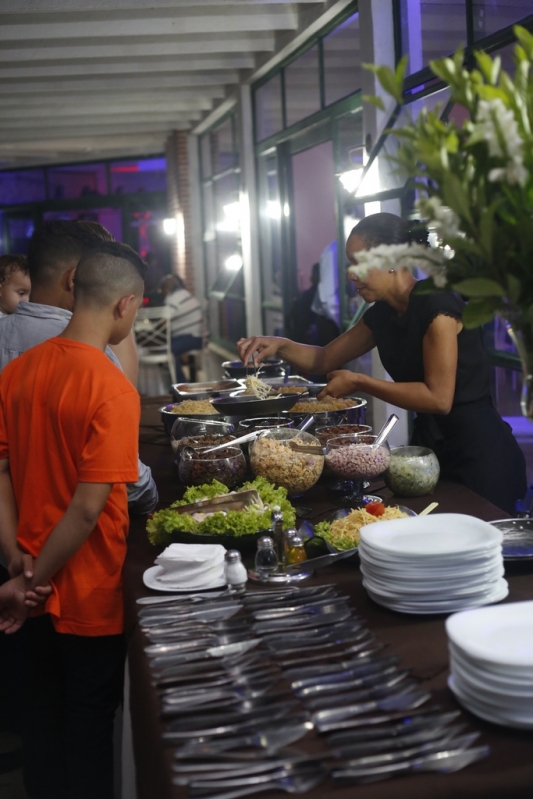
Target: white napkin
column 192, row 565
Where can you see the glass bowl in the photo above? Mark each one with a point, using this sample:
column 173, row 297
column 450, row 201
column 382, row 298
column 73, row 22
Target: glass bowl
column 353, row 458
column 170, row 412
column 271, row 457
column 197, row 466
column 412, row 471
column 207, row 440
column 194, row 426
column 325, row 432
column 263, row 423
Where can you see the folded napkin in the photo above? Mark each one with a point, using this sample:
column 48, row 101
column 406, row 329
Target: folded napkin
column 192, row 565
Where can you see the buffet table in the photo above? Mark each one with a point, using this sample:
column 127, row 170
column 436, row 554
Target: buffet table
column 419, row 641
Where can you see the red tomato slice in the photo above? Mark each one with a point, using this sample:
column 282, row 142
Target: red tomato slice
column 375, row 508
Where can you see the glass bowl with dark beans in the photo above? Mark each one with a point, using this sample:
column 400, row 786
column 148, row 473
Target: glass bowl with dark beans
column 355, row 459
column 208, row 440
column 227, row 465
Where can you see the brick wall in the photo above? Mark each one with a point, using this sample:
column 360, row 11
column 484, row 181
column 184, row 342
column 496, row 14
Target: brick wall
column 179, row 205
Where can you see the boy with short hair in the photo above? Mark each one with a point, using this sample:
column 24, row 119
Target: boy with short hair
column 69, row 424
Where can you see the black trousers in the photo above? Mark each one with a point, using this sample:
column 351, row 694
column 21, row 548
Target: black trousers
column 75, row 686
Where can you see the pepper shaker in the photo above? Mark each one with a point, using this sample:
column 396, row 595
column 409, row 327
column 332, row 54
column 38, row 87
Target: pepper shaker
column 277, row 531
column 266, row 560
column 296, row 551
column 236, row 574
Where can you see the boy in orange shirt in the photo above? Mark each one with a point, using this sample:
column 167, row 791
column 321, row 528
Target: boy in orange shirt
column 68, row 445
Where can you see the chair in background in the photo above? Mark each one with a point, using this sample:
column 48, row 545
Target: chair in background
column 152, row 337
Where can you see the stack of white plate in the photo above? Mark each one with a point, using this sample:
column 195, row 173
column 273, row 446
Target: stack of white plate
column 491, row 662
column 432, row 564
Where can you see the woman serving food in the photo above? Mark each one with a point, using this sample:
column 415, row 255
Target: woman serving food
column 440, row 370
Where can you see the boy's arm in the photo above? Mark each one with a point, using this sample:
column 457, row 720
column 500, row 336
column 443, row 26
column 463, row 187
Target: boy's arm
column 72, row 530
column 66, row 538
column 18, row 561
column 8, row 516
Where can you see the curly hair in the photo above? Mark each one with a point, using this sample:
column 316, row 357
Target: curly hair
column 10, row 264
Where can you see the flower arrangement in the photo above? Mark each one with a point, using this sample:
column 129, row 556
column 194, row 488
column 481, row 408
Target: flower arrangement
column 474, row 184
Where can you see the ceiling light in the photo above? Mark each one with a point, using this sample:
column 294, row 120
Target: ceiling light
column 234, row 262
column 170, row 225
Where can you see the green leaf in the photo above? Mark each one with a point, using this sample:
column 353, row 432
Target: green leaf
column 455, row 197
column 374, row 100
column 388, row 80
column 479, row 287
column 489, row 68
column 479, row 312
column 525, row 38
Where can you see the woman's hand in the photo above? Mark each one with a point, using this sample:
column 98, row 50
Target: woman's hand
column 341, row 383
column 257, row 348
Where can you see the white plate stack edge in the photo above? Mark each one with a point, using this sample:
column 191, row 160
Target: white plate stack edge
column 433, row 564
column 491, row 662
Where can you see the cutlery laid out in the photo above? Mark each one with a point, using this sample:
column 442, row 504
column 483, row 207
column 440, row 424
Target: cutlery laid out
column 240, row 677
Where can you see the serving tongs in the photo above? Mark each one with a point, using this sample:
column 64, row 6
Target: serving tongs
column 226, row 502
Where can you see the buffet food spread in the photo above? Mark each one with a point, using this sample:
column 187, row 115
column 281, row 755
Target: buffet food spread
column 308, row 666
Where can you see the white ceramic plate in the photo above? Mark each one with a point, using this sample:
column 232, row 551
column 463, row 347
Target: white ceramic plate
column 151, row 580
column 501, row 680
column 451, row 566
column 445, row 534
column 503, row 693
column 486, row 711
column 438, row 590
column 429, row 607
column 421, row 575
column 501, row 635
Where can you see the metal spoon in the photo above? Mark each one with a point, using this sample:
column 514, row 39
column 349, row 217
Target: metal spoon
column 385, row 430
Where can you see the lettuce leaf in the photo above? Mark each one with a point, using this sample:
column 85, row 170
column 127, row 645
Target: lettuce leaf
column 163, row 523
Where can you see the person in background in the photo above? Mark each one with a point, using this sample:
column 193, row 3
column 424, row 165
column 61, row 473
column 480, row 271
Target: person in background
column 187, row 321
column 54, row 253
column 300, row 324
column 325, row 303
column 439, row 369
column 14, row 282
column 67, row 404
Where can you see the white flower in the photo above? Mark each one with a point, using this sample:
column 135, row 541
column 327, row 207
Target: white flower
column 394, row 256
column 445, row 221
column 498, row 127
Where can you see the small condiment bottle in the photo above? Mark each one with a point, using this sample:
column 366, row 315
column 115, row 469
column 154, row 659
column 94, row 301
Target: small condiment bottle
column 266, row 560
column 288, row 535
column 236, row 573
column 277, row 531
column 296, row 551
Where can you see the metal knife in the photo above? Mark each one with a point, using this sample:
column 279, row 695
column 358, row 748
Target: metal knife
column 325, row 720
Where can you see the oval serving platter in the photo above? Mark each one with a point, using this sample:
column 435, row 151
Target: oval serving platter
column 517, row 538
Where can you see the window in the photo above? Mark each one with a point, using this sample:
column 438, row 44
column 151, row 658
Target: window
column 342, row 60
column 22, row 186
column 219, row 159
column 302, row 87
column 431, row 30
column 268, row 109
column 491, row 16
column 77, row 180
column 138, row 176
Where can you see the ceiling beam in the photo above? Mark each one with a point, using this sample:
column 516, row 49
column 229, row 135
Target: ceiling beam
column 207, row 82
column 197, row 19
column 107, row 66
column 136, row 47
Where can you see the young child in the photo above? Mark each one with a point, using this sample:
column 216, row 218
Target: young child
column 69, row 424
column 14, row 282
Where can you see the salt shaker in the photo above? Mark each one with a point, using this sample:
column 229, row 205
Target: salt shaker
column 266, row 560
column 236, row 574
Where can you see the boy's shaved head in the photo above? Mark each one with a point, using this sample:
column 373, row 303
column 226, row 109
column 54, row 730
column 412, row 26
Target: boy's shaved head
column 109, row 271
column 59, row 245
